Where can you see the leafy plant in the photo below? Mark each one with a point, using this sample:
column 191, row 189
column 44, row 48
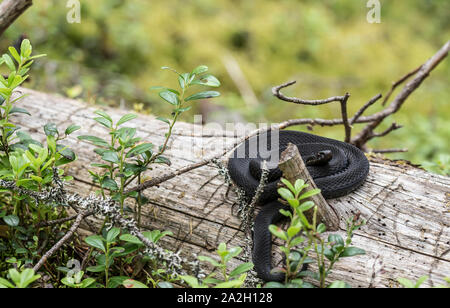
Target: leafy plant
column 113, row 248
column 20, row 280
column 229, row 279
column 124, row 157
column 310, row 234
column 76, row 281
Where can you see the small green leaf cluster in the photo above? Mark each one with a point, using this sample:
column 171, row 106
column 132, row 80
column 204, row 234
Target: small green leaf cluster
column 408, row 284
column 122, row 157
column 230, row 279
column 19, row 280
column 309, row 234
column 113, row 247
column 77, row 282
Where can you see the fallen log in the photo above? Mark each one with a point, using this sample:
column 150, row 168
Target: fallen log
column 406, row 208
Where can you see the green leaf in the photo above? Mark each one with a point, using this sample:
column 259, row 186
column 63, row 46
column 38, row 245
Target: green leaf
column 19, row 110
column 191, row 281
column 336, row 239
column 130, row 239
column 112, row 235
column 420, row 281
column 288, row 184
column 406, row 283
column 139, row 149
column 306, row 206
column 72, row 128
column 104, row 115
column 103, row 122
column 293, row 231
column 309, row 193
column 274, row 285
column 203, row 95
column 94, row 140
column 200, row 70
column 95, row 241
column 210, row 260
column 338, row 285
column 242, row 268
column 299, row 185
column 11, row 220
column 5, row 283
column 126, row 118
column 278, row 232
column 50, row 129
column 14, row 53
column 25, row 48
column 236, row 283
column 110, row 184
column 352, row 251
column 285, row 193
column 170, row 97
column 163, row 120
column 321, row 228
column 111, row 156
column 9, row 62
column 165, row 285
column 208, row 80
column 97, row 268
column 133, row 284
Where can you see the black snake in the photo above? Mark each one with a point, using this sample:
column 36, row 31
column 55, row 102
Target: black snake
column 337, row 168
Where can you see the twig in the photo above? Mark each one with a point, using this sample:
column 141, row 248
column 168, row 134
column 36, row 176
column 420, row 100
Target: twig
column 372, row 101
column 390, row 151
column 60, row 221
column 399, row 82
column 10, row 10
column 61, row 242
column 347, row 126
column 276, row 92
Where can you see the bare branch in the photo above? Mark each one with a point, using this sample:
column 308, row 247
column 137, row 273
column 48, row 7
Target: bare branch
column 399, row 82
column 390, row 151
column 10, row 10
column 276, row 92
column 359, row 113
column 347, row 126
column 61, row 242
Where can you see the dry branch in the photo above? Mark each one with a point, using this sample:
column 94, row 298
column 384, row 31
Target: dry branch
column 10, row 10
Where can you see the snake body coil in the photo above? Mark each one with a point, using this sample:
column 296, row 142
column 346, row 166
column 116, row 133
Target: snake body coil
column 337, row 168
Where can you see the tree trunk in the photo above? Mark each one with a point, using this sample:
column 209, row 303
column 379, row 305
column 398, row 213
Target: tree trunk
column 406, row 208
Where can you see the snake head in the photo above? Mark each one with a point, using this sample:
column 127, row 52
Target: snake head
column 320, row 158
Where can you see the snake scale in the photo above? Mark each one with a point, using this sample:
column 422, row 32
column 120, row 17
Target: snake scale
column 337, row 168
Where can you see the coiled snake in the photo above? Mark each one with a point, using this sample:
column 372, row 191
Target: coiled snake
column 337, row 168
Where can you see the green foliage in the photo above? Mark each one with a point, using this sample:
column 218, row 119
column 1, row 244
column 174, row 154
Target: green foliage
column 76, row 281
column 113, row 247
column 19, row 280
column 31, row 165
column 408, row 284
column 234, row 278
column 124, row 156
column 309, row 234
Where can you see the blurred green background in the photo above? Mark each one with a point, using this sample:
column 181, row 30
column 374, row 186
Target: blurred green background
column 114, row 55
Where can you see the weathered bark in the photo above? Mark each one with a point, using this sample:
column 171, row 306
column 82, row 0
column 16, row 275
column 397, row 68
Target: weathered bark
column 293, row 168
column 10, row 10
column 407, row 209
